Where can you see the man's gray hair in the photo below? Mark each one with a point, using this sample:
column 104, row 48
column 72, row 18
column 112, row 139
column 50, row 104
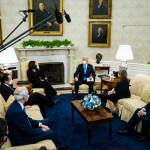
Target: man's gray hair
column 20, row 92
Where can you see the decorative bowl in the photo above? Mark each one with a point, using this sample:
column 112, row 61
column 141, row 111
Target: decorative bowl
column 91, row 101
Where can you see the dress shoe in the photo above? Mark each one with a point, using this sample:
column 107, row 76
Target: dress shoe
column 43, row 148
column 61, row 147
column 125, row 132
column 139, row 138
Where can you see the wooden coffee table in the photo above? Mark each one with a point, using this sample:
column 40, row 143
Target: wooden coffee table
column 92, row 117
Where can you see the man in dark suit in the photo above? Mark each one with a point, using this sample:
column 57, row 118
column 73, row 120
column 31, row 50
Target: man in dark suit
column 40, row 14
column 99, row 37
column 84, row 74
column 35, row 98
column 141, row 114
column 22, row 129
column 100, row 9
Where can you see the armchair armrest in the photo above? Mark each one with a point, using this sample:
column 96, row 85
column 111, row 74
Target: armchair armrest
column 47, row 143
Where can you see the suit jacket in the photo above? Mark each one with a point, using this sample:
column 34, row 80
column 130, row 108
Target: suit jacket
column 21, row 127
column 122, row 89
column 34, row 77
column 80, row 72
column 6, row 91
column 147, row 107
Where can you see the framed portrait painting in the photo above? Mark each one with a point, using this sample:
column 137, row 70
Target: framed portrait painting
column 0, row 32
column 99, row 34
column 100, row 9
column 45, row 10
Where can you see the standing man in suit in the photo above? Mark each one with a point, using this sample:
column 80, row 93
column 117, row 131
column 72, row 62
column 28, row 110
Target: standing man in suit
column 84, row 74
column 141, row 114
column 22, row 129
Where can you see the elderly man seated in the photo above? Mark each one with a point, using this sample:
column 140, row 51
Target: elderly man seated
column 84, row 74
column 23, row 130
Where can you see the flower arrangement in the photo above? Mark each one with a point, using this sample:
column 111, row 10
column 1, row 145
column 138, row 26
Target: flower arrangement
column 91, row 101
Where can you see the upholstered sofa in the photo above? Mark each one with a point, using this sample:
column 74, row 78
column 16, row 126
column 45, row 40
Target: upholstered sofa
column 140, row 96
column 33, row 112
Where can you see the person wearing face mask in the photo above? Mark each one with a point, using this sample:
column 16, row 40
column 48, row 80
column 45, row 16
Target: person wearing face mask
column 38, row 80
column 6, row 90
column 24, row 130
column 84, row 74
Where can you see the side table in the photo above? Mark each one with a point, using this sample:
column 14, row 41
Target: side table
column 111, row 83
column 28, row 86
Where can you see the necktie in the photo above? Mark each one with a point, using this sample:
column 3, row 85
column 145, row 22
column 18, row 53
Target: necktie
column 84, row 67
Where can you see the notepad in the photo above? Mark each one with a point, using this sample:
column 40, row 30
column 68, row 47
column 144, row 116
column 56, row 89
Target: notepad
column 88, row 80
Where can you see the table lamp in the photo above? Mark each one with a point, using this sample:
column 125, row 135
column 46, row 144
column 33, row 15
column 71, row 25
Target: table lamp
column 8, row 57
column 124, row 54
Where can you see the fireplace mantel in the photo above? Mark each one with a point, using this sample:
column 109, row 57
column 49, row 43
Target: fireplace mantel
column 24, row 53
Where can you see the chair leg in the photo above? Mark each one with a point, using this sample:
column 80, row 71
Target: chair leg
column 73, row 95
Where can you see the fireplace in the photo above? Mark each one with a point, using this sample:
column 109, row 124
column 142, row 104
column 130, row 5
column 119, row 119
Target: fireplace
column 54, row 71
column 51, row 55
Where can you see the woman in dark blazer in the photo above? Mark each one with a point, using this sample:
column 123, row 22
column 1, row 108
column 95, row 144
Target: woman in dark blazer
column 120, row 91
column 38, row 80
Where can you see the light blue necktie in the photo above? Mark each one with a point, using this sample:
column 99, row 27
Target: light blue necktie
column 84, row 67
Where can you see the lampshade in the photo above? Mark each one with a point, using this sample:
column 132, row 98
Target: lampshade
column 8, row 56
column 124, row 53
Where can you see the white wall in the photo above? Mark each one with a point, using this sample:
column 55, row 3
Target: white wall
column 130, row 25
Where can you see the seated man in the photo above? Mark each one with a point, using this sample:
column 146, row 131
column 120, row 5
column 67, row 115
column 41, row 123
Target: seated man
column 141, row 114
column 22, row 129
column 84, row 74
column 35, row 98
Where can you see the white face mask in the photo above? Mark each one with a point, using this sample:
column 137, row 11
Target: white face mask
column 10, row 82
column 84, row 62
column 27, row 98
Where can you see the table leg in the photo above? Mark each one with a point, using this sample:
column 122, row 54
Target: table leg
column 72, row 114
column 89, row 135
column 110, row 130
column 101, row 85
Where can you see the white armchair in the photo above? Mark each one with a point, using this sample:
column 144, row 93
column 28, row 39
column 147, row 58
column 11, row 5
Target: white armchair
column 83, row 87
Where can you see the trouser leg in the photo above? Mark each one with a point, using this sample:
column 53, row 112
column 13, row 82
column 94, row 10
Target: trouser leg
column 134, row 120
column 145, row 125
column 90, row 84
column 77, row 84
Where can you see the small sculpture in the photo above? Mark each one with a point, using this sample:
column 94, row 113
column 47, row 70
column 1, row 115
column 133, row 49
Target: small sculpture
column 98, row 58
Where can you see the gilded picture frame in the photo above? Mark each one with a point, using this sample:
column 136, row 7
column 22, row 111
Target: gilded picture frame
column 0, row 32
column 100, row 9
column 50, row 27
column 99, row 34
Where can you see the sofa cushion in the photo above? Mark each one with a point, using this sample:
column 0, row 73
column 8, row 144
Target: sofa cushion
column 7, row 144
column 121, row 101
column 2, row 108
column 138, row 82
column 34, row 112
column 145, row 96
column 9, row 101
column 132, row 104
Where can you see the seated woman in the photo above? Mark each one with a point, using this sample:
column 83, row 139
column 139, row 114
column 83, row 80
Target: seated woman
column 38, row 80
column 3, row 132
column 120, row 91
